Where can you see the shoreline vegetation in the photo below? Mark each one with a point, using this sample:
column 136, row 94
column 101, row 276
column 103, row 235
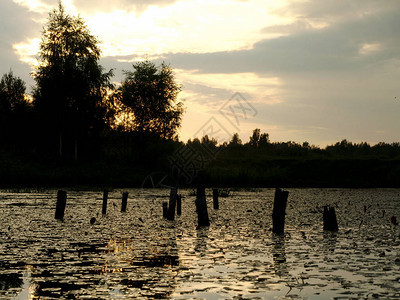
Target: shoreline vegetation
column 126, row 161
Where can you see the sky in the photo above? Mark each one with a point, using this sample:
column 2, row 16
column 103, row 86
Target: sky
column 299, row 70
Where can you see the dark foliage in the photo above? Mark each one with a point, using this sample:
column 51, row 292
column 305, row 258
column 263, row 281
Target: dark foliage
column 150, row 95
column 71, row 87
column 14, row 110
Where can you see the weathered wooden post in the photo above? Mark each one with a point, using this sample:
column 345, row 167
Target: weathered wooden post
column 201, row 207
column 279, row 211
column 329, row 217
column 61, row 203
column 179, row 205
column 172, row 204
column 124, row 201
column 105, row 199
column 165, row 209
column 215, row 198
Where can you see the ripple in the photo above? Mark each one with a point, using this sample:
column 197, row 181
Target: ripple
column 138, row 254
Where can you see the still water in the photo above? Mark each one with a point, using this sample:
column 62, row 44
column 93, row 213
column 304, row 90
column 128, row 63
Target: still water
column 138, row 254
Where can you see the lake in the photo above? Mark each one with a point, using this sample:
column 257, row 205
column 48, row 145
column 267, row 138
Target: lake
column 138, row 254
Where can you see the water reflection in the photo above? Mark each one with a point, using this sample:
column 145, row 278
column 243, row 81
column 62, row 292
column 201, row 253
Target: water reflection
column 201, row 240
column 127, row 270
column 9, row 281
column 135, row 255
column 122, row 268
column 279, row 255
column 150, row 271
column 329, row 241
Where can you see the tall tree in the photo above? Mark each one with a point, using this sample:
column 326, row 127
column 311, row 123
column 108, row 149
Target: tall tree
column 71, row 87
column 150, row 94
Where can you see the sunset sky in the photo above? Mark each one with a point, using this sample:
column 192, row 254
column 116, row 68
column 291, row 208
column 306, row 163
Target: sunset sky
column 317, row 71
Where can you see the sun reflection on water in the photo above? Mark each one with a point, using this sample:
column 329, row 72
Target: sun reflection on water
column 139, row 254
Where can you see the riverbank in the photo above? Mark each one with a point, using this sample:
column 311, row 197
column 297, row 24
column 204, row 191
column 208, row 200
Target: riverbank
column 224, row 171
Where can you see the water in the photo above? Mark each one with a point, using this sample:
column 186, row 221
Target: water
column 138, row 254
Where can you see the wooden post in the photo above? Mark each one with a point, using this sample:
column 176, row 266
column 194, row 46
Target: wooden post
column 279, row 211
column 61, row 202
column 165, row 209
column 215, row 198
column 329, row 217
column 172, row 204
column 76, row 150
column 105, row 198
column 201, row 207
column 179, row 205
column 124, row 201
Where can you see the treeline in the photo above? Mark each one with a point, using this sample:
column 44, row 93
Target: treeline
column 260, row 143
column 262, row 163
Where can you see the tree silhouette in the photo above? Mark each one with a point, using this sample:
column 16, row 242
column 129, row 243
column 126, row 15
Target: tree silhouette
column 13, row 106
column 264, row 140
column 255, row 138
column 235, row 141
column 150, row 94
column 70, row 95
column 12, row 93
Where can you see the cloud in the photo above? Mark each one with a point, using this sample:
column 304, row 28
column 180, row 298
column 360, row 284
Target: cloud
column 367, row 49
column 333, row 11
column 37, row 6
column 17, row 25
column 184, row 26
column 16, row 22
column 291, row 28
column 336, row 82
column 333, row 48
column 137, row 6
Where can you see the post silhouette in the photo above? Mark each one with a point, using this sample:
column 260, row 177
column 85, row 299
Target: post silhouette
column 179, row 205
column 165, row 209
column 172, row 204
column 105, row 199
column 279, row 211
column 201, row 207
column 215, row 198
column 61, row 203
column 124, row 201
column 329, row 218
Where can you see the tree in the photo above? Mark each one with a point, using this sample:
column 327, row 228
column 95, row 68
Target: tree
column 255, row 138
column 264, row 140
column 235, row 140
column 12, row 93
column 150, row 94
column 13, row 105
column 71, row 87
